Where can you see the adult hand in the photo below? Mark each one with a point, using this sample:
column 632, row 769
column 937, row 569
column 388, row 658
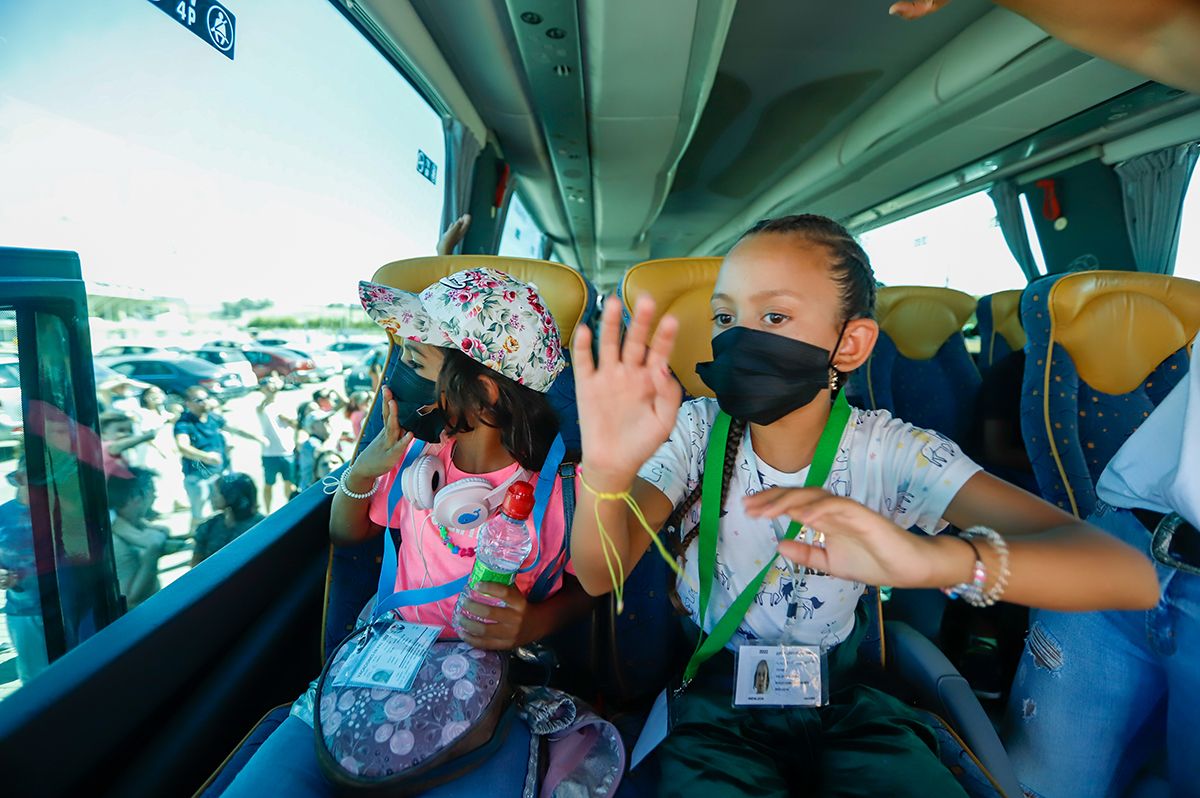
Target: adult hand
column 454, row 235
column 860, row 544
column 627, row 399
column 213, row 458
column 499, row 628
column 387, row 449
column 915, row 9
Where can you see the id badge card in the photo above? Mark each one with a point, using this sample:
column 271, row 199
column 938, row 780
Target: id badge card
column 390, row 659
column 781, row 676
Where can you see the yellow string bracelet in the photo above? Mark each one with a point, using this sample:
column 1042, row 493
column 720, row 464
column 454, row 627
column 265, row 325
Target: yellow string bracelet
column 609, row 548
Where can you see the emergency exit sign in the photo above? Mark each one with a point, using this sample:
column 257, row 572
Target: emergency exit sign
column 208, row 19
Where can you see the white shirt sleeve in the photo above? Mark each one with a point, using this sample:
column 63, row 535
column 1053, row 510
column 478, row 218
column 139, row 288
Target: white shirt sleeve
column 675, row 468
column 922, row 472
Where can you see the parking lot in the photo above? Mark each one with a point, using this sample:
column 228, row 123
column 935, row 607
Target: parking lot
column 245, row 457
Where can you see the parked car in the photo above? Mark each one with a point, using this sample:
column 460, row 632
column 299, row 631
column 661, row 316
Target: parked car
column 228, row 343
column 273, row 342
column 327, row 364
column 11, row 415
column 232, row 360
column 175, row 374
column 121, row 350
column 291, row 366
column 352, row 349
column 358, row 378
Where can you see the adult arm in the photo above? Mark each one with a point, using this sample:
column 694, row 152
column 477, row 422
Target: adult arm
column 1157, row 38
column 183, row 441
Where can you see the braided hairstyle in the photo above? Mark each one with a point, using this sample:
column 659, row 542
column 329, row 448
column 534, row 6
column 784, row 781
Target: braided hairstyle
column 737, row 430
column 848, row 261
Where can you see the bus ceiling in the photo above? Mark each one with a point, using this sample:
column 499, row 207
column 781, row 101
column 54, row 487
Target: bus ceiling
column 640, row 130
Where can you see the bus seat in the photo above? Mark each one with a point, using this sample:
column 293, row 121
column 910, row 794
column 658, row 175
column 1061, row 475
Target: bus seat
column 920, row 370
column 682, row 287
column 637, row 672
column 1104, row 349
column 1000, row 330
column 354, row 570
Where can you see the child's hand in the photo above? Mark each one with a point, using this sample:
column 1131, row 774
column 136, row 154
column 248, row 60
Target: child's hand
column 387, row 449
column 627, row 399
column 915, row 9
column 503, row 625
column 860, row 544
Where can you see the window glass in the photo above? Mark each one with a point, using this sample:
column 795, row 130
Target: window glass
column 957, row 245
column 1187, row 262
column 521, row 237
column 213, row 200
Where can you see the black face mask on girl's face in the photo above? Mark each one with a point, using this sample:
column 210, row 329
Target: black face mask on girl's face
column 413, row 393
column 760, row 377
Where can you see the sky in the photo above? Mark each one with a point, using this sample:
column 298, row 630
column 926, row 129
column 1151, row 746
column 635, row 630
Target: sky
column 288, row 173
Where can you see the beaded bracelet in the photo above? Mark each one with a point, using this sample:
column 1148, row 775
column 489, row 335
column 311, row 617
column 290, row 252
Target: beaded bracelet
column 341, row 485
column 973, row 592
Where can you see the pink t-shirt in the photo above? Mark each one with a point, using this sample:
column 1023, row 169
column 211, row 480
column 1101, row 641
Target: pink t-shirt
column 423, row 560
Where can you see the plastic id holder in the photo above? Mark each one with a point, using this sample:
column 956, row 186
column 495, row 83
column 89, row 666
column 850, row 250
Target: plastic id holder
column 781, row 676
column 658, row 725
column 390, row 659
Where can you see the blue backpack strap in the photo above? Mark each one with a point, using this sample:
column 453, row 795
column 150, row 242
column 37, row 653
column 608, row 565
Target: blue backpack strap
column 387, row 598
column 554, row 570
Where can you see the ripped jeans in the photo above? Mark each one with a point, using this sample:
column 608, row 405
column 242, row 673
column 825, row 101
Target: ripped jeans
column 1098, row 692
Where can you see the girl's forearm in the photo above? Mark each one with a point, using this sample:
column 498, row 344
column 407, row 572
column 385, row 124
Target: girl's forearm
column 1074, row 567
column 349, row 519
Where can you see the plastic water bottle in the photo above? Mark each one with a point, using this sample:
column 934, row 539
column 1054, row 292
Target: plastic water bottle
column 502, row 546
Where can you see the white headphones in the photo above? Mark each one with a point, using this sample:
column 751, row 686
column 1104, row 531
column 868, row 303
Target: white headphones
column 464, row 504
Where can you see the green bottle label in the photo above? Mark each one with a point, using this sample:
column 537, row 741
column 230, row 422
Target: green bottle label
column 481, row 573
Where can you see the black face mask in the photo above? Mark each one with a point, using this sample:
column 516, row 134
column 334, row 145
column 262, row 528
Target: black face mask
column 760, row 377
column 412, row 393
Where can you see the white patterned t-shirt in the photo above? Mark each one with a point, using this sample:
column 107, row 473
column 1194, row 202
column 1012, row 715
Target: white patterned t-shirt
column 905, row 473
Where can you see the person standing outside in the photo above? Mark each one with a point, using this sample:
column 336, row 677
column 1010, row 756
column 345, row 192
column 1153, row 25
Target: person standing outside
column 199, row 433
column 280, row 444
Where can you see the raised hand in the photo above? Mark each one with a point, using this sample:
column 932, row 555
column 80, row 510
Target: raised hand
column 627, row 399
column 388, row 447
column 454, row 235
column 860, row 544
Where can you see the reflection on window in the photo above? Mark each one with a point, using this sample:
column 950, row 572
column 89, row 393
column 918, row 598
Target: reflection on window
column 223, row 212
column 521, row 237
column 1187, row 262
column 1035, row 243
column 957, row 245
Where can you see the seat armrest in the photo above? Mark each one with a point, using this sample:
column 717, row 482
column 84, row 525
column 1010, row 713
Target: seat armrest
column 941, row 689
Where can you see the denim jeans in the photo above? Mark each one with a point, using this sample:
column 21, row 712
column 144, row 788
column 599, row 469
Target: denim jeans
column 199, row 490
column 1097, row 692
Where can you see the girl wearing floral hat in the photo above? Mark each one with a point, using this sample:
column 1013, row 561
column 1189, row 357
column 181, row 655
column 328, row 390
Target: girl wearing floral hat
column 480, row 350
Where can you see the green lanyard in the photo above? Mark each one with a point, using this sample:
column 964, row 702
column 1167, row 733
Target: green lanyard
column 710, row 514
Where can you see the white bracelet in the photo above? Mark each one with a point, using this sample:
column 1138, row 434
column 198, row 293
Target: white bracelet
column 979, row 598
column 331, row 488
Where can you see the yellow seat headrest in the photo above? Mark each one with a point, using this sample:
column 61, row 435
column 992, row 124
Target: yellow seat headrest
column 562, row 288
column 1120, row 326
column 1006, row 319
column 919, row 320
column 683, row 288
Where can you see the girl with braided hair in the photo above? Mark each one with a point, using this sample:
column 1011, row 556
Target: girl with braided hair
column 785, row 466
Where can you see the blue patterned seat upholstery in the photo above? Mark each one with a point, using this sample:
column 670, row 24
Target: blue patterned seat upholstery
column 920, row 370
column 1000, row 330
column 1104, row 349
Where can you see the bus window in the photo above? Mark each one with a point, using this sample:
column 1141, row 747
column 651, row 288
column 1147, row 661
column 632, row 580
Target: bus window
column 1187, row 261
column 521, row 236
column 957, row 245
column 214, row 202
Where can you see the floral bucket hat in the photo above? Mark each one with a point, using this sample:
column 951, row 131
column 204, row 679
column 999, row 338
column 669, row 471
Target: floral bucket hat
column 488, row 315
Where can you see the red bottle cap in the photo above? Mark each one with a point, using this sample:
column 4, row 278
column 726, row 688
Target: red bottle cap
column 518, row 502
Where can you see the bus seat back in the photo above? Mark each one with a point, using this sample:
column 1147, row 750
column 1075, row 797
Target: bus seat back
column 683, row 288
column 1105, row 347
column 920, row 370
column 1000, row 330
